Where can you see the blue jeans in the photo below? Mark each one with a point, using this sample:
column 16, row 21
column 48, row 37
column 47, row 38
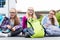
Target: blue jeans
column 29, row 30
column 53, row 30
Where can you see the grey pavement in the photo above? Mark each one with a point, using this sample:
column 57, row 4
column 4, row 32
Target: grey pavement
column 22, row 38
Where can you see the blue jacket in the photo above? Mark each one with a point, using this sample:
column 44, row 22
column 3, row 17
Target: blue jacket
column 50, row 29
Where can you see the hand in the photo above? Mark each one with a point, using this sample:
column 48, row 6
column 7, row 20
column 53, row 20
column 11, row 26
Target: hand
column 53, row 16
column 47, row 24
column 13, row 29
column 8, row 26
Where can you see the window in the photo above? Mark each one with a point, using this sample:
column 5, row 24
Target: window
column 2, row 3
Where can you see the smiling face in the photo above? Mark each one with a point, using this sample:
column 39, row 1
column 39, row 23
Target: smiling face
column 51, row 14
column 12, row 13
column 30, row 11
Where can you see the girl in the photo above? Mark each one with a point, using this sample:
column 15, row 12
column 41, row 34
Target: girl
column 14, row 25
column 51, row 24
column 29, row 15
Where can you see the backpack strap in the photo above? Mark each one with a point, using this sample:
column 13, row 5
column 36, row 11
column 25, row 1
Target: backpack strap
column 30, row 25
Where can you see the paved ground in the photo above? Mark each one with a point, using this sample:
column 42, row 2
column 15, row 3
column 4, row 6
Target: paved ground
column 22, row 38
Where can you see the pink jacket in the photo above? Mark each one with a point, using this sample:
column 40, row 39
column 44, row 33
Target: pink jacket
column 24, row 22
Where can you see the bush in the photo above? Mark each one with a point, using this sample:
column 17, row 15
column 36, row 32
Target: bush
column 40, row 18
column 58, row 16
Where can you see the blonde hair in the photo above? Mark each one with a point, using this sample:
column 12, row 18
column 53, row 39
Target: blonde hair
column 33, row 16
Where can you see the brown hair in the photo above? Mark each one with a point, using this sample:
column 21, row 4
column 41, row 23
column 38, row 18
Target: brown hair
column 52, row 19
column 54, row 12
column 16, row 20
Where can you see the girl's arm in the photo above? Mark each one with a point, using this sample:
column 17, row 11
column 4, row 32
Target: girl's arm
column 5, row 22
column 17, row 26
column 24, row 22
column 43, row 22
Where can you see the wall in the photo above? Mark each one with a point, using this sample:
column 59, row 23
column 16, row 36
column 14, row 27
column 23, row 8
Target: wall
column 12, row 4
column 9, row 4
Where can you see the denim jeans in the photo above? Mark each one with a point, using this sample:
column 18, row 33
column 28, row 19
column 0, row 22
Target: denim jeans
column 29, row 30
column 53, row 30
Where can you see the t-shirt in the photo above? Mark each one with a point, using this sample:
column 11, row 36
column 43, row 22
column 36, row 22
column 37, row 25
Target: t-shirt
column 12, row 23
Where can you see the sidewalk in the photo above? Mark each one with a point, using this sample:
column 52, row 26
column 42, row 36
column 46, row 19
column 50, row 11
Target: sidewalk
column 22, row 38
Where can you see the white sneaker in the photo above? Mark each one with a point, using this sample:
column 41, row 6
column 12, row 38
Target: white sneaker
column 3, row 35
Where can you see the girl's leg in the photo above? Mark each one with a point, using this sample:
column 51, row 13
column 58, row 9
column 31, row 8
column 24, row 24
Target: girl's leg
column 28, row 32
column 23, row 32
column 56, row 31
column 15, row 33
column 53, row 31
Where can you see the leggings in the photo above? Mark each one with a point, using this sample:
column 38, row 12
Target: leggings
column 15, row 33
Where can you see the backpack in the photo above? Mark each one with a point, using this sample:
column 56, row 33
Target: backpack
column 38, row 29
